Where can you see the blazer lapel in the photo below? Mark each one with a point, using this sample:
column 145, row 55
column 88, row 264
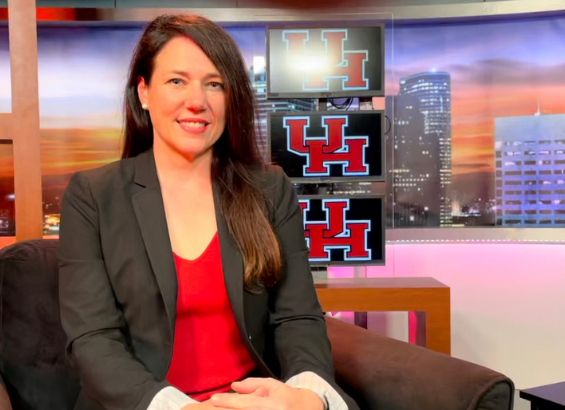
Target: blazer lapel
column 232, row 266
column 150, row 213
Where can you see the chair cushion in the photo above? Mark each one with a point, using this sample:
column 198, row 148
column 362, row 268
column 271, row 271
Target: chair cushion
column 32, row 343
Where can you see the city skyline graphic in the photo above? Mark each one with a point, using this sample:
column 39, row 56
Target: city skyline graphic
column 495, row 70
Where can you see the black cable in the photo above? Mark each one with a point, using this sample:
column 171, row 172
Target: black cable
column 389, row 124
column 343, row 106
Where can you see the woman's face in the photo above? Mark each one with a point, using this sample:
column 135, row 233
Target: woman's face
column 186, row 100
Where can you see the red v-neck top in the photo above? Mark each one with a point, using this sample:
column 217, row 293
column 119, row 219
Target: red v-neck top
column 208, row 353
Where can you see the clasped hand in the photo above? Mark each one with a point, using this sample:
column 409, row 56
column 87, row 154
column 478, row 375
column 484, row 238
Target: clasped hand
column 262, row 394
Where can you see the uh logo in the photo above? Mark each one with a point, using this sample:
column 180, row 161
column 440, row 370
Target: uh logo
column 333, row 148
column 331, row 60
column 335, row 232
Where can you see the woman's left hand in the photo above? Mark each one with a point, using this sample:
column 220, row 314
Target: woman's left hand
column 267, row 394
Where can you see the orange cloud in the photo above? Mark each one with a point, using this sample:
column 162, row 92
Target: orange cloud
column 474, row 110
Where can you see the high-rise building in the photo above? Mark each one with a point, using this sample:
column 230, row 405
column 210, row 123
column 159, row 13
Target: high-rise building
column 530, row 170
column 264, row 105
column 432, row 97
column 413, row 159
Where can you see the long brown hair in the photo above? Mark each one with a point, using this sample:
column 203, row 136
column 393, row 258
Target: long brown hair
column 235, row 154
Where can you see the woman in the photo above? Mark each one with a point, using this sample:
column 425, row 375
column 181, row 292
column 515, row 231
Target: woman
column 184, row 276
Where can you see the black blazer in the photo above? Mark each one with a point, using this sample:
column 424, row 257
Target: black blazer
column 118, row 287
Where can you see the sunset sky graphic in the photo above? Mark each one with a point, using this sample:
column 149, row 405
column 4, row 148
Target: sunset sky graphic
column 498, row 69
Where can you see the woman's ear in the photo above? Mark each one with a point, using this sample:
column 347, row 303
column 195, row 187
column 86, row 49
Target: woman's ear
column 142, row 92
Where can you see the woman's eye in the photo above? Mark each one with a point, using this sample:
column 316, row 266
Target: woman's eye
column 216, row 84
column 176, row 81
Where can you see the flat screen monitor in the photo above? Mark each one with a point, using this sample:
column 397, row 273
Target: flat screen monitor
column 328, row 147
column 344, row 230
column 325, row 62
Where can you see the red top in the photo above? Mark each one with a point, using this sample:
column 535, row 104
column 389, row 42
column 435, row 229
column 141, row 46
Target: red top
column 208, row 353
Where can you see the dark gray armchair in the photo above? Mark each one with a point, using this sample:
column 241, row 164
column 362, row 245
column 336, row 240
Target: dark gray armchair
column 380, row 373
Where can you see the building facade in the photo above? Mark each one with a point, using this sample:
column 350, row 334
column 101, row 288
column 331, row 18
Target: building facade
column 530, row 170
column 431, row 92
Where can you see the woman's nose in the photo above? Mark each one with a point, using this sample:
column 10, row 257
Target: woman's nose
column 195, row 99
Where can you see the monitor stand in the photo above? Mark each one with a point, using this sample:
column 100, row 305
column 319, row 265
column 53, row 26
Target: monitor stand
column 323, row 104
column 319, row 272
column 365, row 104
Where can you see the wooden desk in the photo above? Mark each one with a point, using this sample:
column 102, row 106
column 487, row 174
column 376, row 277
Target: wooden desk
column 428, row 298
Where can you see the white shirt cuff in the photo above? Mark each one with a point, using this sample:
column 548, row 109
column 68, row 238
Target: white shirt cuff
column 170, row 398
column 310, row 380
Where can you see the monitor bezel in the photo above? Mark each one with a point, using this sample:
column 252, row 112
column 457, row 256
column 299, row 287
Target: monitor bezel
column 324, row 94
column 372, row 262
column 329, row 180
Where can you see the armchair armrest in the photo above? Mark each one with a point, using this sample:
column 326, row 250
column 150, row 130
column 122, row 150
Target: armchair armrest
column 383, row 373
